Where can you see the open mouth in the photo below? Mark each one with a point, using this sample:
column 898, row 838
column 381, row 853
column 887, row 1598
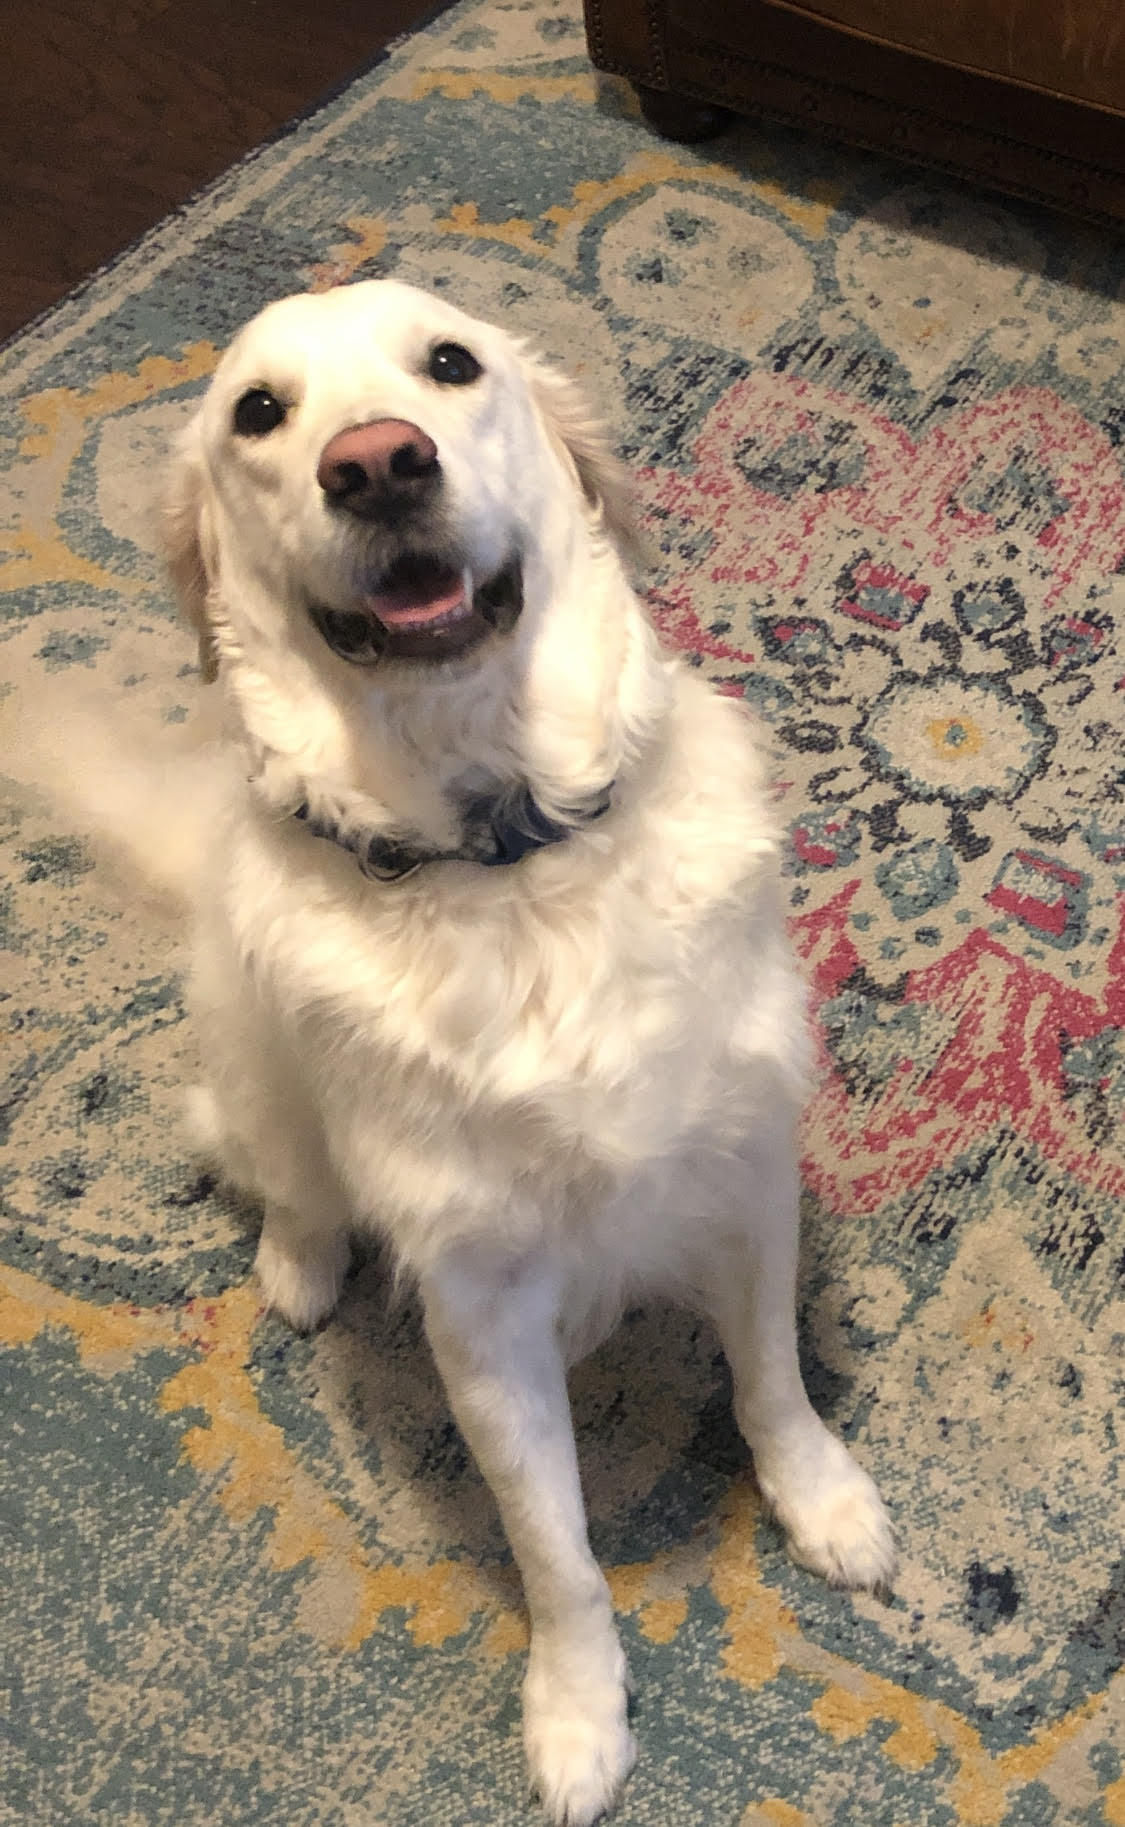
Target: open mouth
column 422, row 608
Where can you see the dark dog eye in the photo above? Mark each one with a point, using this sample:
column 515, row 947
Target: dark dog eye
column 257, row 413
column 453, row 366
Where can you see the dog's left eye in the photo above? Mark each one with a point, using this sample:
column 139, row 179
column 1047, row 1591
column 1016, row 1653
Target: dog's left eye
column 453, row 366
column 258, row 413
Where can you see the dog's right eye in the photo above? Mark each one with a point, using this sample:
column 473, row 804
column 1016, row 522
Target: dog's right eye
column 257, row 413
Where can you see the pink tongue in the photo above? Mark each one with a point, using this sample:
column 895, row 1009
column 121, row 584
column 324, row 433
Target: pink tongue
column 416, row 608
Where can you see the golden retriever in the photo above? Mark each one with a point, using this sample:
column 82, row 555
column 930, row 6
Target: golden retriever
column 490, row 953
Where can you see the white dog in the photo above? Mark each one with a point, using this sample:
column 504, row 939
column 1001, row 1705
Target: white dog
column 491, row 954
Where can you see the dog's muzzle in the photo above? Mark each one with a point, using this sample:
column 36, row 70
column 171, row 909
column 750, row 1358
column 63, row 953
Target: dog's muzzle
column 424, row 605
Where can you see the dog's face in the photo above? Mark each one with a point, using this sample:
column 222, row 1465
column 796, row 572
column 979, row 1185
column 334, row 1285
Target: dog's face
column 375, row 466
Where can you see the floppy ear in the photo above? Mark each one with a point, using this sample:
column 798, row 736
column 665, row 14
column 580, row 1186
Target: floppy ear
column 571, row 421
column 187, row 543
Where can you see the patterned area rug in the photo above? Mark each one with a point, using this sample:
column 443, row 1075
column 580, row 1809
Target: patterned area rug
column 876, row 426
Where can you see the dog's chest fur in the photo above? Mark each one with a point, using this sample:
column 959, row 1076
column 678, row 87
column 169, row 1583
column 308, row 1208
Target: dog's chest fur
column 552, row 1026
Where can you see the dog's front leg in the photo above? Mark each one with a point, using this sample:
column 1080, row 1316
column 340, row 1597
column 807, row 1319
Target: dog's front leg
column 829, row 1508
column 493, row 1325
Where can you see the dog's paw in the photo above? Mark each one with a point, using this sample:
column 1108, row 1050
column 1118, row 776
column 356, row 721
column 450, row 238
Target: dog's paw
column 577, row 1739
column 832, row 1514
column 302, row 1281
column 202, row 1120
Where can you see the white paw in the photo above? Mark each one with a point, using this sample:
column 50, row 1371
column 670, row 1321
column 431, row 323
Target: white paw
column 210, row 1138
column 830, row 1510
column 203, row 1122
column 302, row 1281
column 576, row 1735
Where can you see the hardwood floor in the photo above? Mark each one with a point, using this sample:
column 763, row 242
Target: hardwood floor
column 114, row 111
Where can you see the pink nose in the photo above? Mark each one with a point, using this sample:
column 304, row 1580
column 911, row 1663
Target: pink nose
column 376, row 468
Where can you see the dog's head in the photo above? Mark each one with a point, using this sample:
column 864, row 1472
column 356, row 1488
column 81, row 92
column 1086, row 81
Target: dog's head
column 376, row 472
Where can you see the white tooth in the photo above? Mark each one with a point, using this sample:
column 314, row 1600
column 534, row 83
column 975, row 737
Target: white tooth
column 467, row 584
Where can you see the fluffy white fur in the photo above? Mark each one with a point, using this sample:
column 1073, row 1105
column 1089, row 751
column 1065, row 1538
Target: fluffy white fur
column 552, row 1087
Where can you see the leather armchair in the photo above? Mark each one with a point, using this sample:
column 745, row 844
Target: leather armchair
column 1026, row 96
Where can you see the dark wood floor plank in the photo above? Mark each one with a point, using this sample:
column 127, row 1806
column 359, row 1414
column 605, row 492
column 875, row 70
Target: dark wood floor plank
column 112, row 112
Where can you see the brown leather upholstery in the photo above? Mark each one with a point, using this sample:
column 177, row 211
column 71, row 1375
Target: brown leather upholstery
column 1027, row 95
column 1055, row 45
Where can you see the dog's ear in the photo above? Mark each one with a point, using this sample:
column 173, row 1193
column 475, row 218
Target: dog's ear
column 187, row 548
column 570, row 420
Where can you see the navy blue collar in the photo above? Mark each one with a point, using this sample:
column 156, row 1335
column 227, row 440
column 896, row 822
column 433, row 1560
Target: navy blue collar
column 496, row 831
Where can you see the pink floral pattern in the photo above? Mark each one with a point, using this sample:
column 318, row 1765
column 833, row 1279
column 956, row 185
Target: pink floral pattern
column 930, row 626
